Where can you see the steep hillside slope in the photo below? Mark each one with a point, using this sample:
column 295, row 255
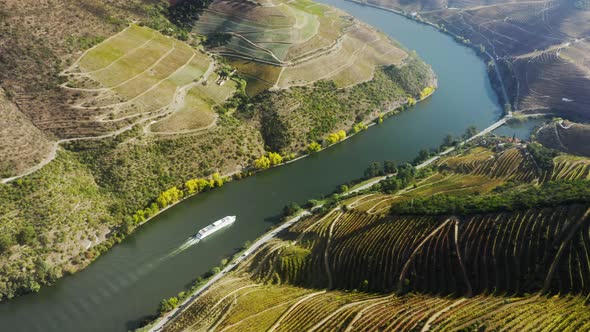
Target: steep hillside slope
column 121, row 113
column 21, row 143
column 485, row 240
column 566, row 136
column 540, row 47
column 286, row 43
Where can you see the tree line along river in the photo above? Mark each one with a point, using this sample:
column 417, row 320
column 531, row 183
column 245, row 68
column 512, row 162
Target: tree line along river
column 127, row 283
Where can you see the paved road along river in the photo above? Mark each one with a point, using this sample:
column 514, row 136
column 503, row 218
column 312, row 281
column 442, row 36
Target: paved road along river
column 127, row 283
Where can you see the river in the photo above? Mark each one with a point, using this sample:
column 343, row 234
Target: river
column 128, row 282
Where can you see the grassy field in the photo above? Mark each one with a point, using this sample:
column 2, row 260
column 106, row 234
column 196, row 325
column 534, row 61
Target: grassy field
column 357, row 266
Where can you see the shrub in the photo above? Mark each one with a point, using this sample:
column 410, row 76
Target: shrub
column 167, row 305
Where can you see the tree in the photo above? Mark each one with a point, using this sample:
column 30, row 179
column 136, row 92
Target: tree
column 275, row 158
column 543, row 156
column 364, row 286
column 192, row 186
column 217, row 180
column 470, row 132
column 373, row 170
column 333, row 138
column 343, row 188
column 291, row 209
column 262, row 163
column 449, row 140
column 167, row 305
column 406, row 174
column 389, row 167
column 423, row 155
column 341, row 135
column 359, row 126
column 314, row 147
column 169, row 196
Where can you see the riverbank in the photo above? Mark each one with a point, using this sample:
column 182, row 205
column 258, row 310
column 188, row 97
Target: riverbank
column 159, row 323
column 118, row 290
column 478, row 51
column 117, row 236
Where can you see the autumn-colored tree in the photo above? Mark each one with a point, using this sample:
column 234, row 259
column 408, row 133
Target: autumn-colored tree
column 275, row 158
column 262, row 162
column 169, row 196
column 426, row 92
column 314, row 147
column 333, row 138
column 192, row 186
column 359, row 126
column 217, row 179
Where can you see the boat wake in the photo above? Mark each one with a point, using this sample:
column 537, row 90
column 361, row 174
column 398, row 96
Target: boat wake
column 189, row 243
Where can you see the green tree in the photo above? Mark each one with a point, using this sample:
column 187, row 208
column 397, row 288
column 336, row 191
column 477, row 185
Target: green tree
column 449, row 140
column 470, row 132
column 389, row 167
column 167, row 305
column 373, row 170
column 343, row 188
column 291, row 209
column 364, row 286
column 422, row 156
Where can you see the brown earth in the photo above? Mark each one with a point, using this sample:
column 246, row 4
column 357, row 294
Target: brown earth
column 541, row 47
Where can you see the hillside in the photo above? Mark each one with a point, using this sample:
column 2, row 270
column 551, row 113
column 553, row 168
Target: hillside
column 490, row 238
column 541, row 47
column 117, row 113
column 278, row 44
column 566, row 136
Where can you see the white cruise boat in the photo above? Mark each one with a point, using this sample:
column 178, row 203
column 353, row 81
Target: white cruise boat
column 214, row 227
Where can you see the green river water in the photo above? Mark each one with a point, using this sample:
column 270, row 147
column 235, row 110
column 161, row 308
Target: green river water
column 127, row 283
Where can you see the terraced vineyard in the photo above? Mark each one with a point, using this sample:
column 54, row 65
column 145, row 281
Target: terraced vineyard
column 365, row 268
column 284, row 43
column 349, row 311
column 106, row 110
column 141, row 76
column 541, row 48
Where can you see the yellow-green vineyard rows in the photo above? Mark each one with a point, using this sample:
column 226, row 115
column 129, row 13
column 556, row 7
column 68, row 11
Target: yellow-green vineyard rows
column 258, row 307
column 141, row 76
column 359, row 268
